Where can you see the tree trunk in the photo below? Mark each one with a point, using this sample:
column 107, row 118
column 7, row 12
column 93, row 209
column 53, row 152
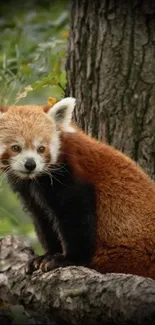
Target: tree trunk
column 111, row 72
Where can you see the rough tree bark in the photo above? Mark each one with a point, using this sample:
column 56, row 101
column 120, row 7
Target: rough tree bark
column 111, row 72
column 75, row 295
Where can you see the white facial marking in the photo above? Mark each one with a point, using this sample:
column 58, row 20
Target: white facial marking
column 18, row 163
column 2, row 149
column 37, row 142
column 55, row 147
column 20, row 142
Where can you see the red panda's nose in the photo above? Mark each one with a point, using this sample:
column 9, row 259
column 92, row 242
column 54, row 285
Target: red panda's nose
column 30, row 164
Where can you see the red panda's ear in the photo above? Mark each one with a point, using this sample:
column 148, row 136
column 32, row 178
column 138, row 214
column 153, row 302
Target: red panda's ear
column 62, row 111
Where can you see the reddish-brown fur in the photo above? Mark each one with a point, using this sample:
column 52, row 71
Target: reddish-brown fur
column 125, row 195
column 125, row 198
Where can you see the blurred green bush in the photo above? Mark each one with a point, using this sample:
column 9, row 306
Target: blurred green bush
column 33, row 44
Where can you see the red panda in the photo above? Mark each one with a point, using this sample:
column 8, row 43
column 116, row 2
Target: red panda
column 91, row 205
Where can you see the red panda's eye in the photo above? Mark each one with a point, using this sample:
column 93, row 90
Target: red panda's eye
column 41, row 149
column 16, row 148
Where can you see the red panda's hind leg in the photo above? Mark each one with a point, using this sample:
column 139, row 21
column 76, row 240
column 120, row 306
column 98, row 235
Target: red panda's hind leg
column 122, row 260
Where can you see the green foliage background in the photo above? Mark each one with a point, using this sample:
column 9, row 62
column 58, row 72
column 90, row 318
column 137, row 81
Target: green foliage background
column 33, row 44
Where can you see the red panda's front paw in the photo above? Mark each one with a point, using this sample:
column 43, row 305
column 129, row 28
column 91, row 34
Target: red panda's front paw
column 34, row 264
column 51, row 262
column 46, row 263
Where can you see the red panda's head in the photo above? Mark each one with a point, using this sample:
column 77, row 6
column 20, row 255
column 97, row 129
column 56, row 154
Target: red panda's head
column 30, row 137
